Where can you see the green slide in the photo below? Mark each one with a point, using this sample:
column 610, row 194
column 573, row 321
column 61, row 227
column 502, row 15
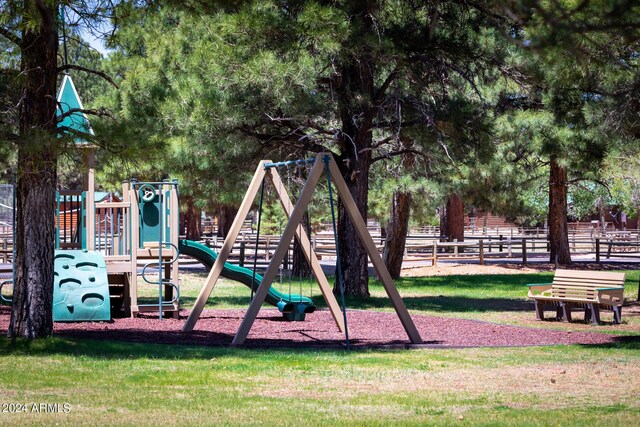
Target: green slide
column 292, row 306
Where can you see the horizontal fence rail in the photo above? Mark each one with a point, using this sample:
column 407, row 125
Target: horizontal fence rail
column 521, row 246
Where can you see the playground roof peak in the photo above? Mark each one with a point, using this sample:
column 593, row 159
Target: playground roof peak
column 68, row 99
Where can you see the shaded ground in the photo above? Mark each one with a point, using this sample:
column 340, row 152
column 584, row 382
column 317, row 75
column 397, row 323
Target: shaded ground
column 367, row 329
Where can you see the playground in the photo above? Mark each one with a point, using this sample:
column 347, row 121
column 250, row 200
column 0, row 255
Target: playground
column 320, row 213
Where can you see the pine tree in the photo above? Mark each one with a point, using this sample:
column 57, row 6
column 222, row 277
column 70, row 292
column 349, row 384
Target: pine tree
column 585, row 64
column 30, row 27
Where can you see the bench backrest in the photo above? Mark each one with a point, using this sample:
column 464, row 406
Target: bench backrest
column 584, row 284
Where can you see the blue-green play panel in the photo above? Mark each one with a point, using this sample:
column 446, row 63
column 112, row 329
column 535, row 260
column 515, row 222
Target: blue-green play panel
column 80, row 288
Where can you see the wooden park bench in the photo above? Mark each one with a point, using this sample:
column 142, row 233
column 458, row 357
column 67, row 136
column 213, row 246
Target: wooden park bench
column 589, row 290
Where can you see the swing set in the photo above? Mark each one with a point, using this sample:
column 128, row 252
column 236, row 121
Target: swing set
column 323, row 162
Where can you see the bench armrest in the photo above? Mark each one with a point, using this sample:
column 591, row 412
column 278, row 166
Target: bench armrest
column 613, row 296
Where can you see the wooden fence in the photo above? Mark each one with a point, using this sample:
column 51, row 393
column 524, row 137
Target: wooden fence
column 427, row 247
column 520, row 245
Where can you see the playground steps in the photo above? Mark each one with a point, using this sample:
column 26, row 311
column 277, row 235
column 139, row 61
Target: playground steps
column 118, row 293
column 167, row 309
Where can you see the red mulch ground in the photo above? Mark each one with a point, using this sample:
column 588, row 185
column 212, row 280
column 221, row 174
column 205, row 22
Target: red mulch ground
column 367, row 329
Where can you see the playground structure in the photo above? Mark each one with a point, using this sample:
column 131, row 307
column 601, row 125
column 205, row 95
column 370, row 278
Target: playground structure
column 141, row 228
column 102, row 242
column 324, row 162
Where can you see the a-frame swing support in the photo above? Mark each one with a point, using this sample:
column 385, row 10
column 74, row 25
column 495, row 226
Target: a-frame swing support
column 292, row 228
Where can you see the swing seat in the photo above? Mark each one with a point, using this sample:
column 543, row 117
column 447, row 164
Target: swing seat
column 295, row 311
column 285, row 307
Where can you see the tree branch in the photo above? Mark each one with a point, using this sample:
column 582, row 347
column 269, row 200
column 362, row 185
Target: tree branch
column 398, row 153
column 291, row 138
column 87, row 70
column 13, row 38
column 383, row 88
column 101, row 112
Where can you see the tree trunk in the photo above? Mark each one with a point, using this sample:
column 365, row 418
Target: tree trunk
column 558, row 229
column 357, row 99
column 396, row 233
column 455, row 218
column 353, row 256
column 452, row 219
column 32, row 311
column 226, row 215
column 192, row 219
column 354, row 164
column 301, row 267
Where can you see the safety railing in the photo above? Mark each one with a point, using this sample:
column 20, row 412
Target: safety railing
column 113, row 230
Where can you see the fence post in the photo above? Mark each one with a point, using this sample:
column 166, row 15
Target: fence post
column 481, row 251
column 509, row 254
column 524, row 251
column 455, row 248
column 597, row 250
column 435, row 252
column 500, row 247
column 266, row 251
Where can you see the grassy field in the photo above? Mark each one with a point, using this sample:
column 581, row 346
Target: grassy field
column 107, row 383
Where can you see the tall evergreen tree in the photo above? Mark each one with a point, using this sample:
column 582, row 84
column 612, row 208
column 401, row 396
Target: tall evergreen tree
column 586, row 64
column 30, row 27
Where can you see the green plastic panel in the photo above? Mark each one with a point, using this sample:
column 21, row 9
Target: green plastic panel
column 80, row 288
column 150, row 230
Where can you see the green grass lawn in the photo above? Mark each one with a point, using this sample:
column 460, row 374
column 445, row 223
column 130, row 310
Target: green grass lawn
column 108, row 383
